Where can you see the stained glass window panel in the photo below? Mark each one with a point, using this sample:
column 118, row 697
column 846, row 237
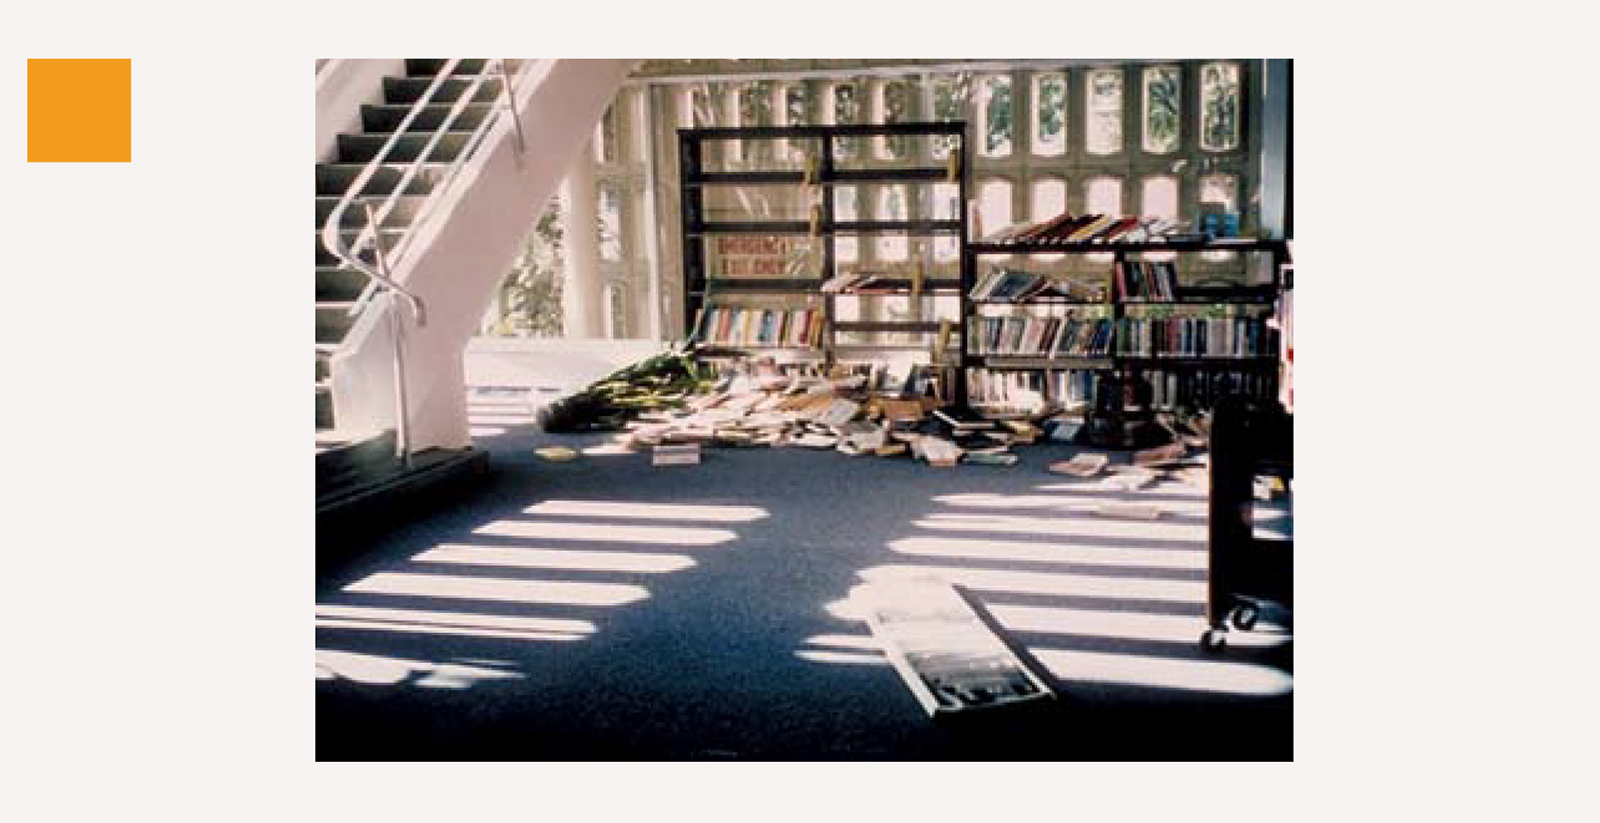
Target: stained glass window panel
column 1104, row 107
column 846, row 111
column 1161, row 115
column 997, row 116
column 949, row 103
column 1049, row 114
column 1219, row 106
column 896, row 109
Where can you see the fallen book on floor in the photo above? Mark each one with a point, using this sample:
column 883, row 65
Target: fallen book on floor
column 676, row 454
column 1083, row 465
column 943, row 651
column 990, row 458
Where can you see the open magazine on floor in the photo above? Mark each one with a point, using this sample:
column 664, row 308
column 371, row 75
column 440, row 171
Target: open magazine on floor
column 947, row 655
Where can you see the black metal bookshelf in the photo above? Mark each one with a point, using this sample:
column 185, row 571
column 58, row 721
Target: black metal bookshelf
column 823, row 173
column 1265, row 295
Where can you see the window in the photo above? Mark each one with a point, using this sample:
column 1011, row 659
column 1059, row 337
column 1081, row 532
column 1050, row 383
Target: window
column 892, row 206
column 755, row 109
column 1049, row 199
column 616, row 311
column 996, row 109
column 846, row 111
column 1159, row 198
column 1161, row 109
column 994, row 206
column 610, row 224
column 1103, row 195
column 1049, row 115
column 1103, row 124
column 895, row 106
column 846, row 248
column 605, row 137
column 796, row 112
column 946, row 205
column 949, row 103
column 1219, row 106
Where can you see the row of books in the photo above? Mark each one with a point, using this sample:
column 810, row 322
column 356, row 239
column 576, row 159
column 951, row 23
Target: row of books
column 1066, row 336
column 1003, row 285
column 749, row 326
column 1195, row 337
column 1145, row 280
column 1088, row 228
column 1027, row 391
column 1189, row 389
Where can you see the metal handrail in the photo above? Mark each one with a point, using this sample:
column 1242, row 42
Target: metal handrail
column 332, row 231
column 378, row 276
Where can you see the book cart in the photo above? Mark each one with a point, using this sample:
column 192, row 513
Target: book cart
column 1114, row 367
column 1247, row 574
column 791, row 173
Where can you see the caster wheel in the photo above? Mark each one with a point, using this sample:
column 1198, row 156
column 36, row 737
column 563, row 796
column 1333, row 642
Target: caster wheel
column 1244, row 618
column 1213, row 640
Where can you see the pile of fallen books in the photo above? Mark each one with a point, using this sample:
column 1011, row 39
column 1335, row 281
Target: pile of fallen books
column 839, row 413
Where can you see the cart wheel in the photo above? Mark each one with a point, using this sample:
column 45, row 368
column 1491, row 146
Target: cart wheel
column 1213, row 640
column 1244, row 618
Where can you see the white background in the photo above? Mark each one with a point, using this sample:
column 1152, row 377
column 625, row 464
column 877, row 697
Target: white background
column 158, row 534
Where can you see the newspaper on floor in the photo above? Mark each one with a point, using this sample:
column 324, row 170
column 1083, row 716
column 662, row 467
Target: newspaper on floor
column 947, row 656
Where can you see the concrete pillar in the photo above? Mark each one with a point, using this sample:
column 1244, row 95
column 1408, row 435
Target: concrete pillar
column 582, row 292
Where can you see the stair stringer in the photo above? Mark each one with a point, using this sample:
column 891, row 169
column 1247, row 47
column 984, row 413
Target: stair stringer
column 462, row 251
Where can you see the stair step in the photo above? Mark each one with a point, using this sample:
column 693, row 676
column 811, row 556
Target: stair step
column 430, row 66
column 356, row 459
column 360, row 148
column 333, row 321
column 411, row 89
column 388, row 238
column 334, row 179
column 404, row 211
column 324, row 408
column 385, row 118
column 335, row 283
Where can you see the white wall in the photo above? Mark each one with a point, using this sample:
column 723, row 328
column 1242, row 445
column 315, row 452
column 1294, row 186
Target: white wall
column 463, row 250
column 342, row 86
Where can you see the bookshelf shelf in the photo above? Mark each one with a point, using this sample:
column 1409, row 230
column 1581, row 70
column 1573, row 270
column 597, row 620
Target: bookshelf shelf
column 708, row 275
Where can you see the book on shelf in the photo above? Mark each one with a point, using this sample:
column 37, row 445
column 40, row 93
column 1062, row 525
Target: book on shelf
column 1008, row 285
column 1086, row 228
column 1195, row 337
column 755, row 326
column 1028, row 392
column 1065, row 336
column 1143, row 281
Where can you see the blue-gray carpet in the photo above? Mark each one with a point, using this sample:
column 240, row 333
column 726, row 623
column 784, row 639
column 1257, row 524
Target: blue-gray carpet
column 603, row 609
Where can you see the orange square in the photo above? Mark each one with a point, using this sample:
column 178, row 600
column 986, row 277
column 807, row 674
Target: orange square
column 80, row 111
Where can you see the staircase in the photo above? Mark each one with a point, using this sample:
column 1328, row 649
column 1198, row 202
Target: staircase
column 450, row 217
column 338, row 288
column 354, row 464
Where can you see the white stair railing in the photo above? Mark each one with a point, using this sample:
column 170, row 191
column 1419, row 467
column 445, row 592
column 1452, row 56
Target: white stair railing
column 377, row 209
